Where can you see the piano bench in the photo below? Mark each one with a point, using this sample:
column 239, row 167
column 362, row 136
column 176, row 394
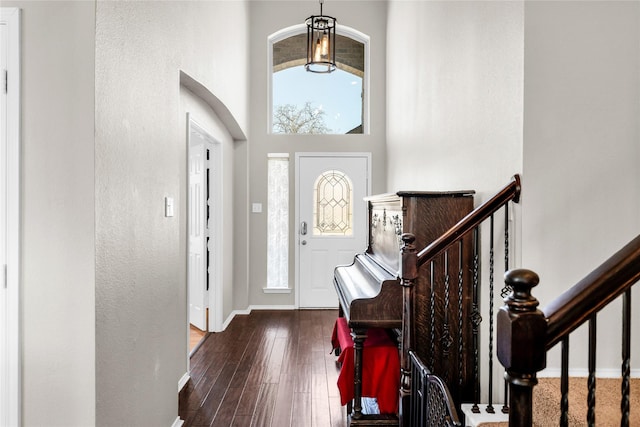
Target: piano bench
column 380, row 366
column 376, row 337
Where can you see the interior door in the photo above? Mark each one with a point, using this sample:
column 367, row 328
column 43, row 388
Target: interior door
column 4, row 297
column 331, row 220
column 10, row 353
column 197, row 265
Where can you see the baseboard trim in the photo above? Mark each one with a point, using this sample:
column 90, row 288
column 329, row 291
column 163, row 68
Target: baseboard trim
column 233, row 314
column 249, row 309
column 271, row 307
column 178, row 422
column 583, row 372
column 183, row 381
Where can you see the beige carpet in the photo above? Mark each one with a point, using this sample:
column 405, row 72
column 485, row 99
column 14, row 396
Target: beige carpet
column 546, row 403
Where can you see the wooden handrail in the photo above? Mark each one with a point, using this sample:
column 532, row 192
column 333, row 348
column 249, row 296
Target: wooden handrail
column 472, row 220
column 525, row 334
column 603, row 285
column 411, row 261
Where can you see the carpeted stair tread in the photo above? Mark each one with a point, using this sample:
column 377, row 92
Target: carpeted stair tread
column 546, row 398
column 546, row 403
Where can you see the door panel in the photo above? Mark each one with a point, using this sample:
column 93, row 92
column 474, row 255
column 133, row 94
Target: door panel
column 10, row 349
column 197, row 268
column 330, row 191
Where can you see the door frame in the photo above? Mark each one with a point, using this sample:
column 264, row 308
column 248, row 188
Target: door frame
column 10, row 403
column 215, row 223
column 367, row 155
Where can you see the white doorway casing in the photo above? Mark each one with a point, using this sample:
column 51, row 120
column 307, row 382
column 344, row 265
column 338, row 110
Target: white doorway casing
column 10, row 387
column 318, row 255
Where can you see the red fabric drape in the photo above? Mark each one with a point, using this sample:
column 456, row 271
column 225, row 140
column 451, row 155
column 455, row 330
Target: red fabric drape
column 380, row 370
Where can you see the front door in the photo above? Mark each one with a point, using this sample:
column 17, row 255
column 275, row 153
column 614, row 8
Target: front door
column 331, row 220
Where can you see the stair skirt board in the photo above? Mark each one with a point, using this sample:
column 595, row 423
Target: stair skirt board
column 183, row 381
column 483, row 418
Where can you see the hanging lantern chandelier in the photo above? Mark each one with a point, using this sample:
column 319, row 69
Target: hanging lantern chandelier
column 321, row 43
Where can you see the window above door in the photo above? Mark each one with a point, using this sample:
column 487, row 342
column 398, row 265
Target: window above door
column 301, row 102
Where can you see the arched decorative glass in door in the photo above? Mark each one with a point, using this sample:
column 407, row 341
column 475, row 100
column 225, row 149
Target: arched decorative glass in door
column 333, row 204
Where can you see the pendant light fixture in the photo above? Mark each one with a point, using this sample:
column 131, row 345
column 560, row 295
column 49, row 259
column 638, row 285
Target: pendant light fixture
column 321, row 43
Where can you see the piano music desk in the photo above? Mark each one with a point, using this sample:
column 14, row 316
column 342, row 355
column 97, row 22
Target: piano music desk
column 380, row 370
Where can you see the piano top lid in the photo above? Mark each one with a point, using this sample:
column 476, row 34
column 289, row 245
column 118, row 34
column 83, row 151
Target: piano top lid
column 425, row 194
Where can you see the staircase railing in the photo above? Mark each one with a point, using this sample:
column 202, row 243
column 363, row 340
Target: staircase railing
column 525, row 333
column 432, row 402
column 454, row 335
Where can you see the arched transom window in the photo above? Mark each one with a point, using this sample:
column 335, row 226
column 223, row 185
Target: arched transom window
column 312, row 103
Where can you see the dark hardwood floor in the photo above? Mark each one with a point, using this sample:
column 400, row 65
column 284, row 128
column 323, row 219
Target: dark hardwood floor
column 268, row 368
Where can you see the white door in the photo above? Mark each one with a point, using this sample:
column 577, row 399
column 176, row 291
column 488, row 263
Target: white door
column 197, row 265
column 10, row 388
column 331, row 220
column 4, row 298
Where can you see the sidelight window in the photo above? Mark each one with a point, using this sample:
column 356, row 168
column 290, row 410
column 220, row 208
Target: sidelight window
column 278, row 221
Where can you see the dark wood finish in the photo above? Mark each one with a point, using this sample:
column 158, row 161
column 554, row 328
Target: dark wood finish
column 358, row 335
column 369, row 295
column 442, row 335
column 431, row 313
column 374, row 420
column 408, row 274
column 269, row 368
column 509, row 193
column 590, row 295
column 525, row 334
column 520, row 320
column 370, row 290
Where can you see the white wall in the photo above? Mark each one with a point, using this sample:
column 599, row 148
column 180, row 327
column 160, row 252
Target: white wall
column 482, row 90
column 57, row 235
column 103, row 141
column 454, row 95
column 267, row 17
column 141, row 158
column 581, row 189
column 454, row 106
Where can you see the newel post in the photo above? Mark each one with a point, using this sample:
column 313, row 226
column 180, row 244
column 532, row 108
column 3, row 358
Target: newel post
column 408, row 276
column 521, row 330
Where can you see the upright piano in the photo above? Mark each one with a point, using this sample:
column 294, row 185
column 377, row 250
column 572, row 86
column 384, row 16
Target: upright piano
column 369, row 290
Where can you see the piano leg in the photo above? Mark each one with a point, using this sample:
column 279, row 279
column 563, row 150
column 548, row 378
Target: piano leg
column 338, row 350
column 358, row 335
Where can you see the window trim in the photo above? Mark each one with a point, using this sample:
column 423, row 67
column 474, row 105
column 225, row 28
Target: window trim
column 341, row 30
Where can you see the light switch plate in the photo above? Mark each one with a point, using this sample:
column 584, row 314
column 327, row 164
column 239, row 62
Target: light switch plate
column 168, row 206
column 256, row 207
